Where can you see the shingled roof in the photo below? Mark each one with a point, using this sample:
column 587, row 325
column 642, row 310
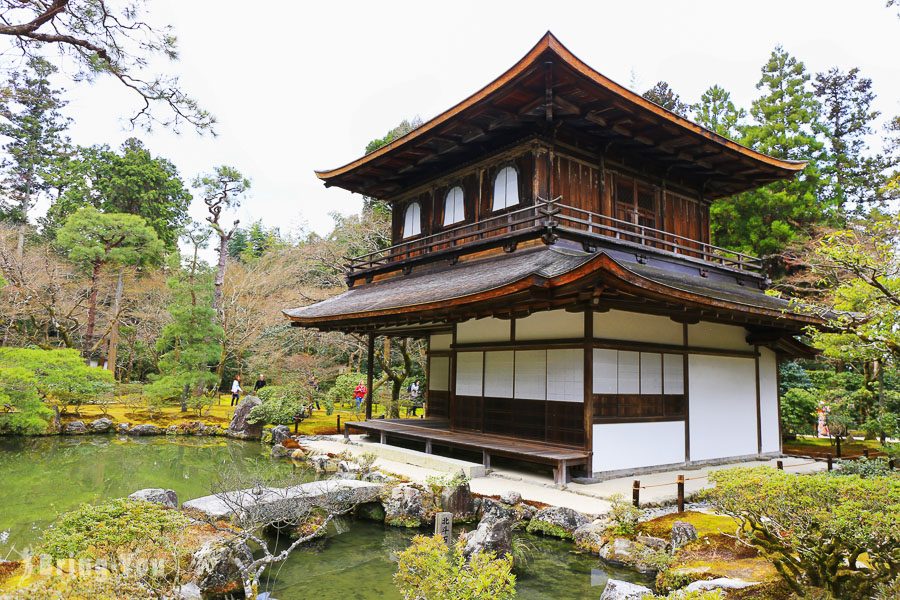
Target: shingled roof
column 434, row 294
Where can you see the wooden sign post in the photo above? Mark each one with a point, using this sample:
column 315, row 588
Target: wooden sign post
column 443, row 526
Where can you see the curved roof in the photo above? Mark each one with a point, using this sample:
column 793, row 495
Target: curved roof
column 583, row 98
column 510, row 278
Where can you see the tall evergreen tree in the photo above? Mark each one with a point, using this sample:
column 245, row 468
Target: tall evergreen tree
column 35, row 126
column 665, row 96
column 785, row 125
column 717, row 112
column 131, row 181
column 855, row 177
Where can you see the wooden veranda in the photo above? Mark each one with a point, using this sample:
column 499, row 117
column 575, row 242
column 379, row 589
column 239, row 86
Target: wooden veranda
column 437, row 432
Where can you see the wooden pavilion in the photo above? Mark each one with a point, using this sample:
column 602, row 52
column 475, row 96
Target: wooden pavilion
column 551, row 243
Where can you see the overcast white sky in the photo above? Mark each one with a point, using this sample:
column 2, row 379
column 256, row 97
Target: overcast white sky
column 299, row 86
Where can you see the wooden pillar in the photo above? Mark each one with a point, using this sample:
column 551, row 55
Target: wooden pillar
column 687, row 394
column 370, row 373
column 758, row 403
column 589, row 387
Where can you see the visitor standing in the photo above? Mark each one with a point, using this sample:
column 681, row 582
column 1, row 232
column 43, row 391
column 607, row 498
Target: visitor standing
column 314, row 387
column 359, row 394
column 236, row 390
column 260, row 383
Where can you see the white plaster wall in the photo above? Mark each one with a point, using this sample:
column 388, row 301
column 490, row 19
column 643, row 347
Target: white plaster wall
column 488, row 329
column 768, row 400
column 716, row 335
column 441, row 341
column 548, row 325
column 722, row 406
column 634, row 445
column 439, row 374
column 531, row 374
column 636, row 327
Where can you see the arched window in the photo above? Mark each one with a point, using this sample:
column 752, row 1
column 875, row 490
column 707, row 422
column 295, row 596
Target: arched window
column 506, row 188
column 454, row 206
column 412, row 220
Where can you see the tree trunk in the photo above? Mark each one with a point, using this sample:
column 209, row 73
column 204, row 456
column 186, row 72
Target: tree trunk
column 220, row 274
column 20, row 242
column 112, row 356
column 92, row 310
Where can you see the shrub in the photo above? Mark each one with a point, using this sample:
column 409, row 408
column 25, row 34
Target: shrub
column 21, row 409
column 104, row 530
column 59, row 375
column 864, row 467
column 429, row 570
column 342, row 390
column 624, row 515
column 798, row 411
column 437, row 483
column 280, row 403
column 815, row 527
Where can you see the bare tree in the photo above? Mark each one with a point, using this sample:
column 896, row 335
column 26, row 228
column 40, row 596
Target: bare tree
column 267, row 503
column 107, row 38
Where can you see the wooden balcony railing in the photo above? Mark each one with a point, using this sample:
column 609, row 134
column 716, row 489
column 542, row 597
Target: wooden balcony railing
column 552, row 217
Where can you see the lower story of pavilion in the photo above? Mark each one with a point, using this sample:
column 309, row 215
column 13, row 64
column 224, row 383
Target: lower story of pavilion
column 600, row 376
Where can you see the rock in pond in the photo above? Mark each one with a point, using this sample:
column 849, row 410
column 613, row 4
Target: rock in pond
column 652, row 542
column 682, row 533
column 406, row 507
column 491, row 535
column 123, row 427
column 101, row 425
column 721, row 583
column 144, row 430
column 167, row 498
column 239, row 427
column 459, row 501
column 280, row 433
column 279, row 451
column 75, row 428
column 556, row 521
column 622, row 590
column 590, row 537
column 214, row 570
column 622, row 552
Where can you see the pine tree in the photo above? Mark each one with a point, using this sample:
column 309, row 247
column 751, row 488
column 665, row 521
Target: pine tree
column 855, row 176
column 665, row 96
column 33, row 121
column 189, row 343
column 717, row 112
column 785, row 125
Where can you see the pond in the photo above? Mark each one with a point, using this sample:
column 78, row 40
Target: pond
column 43, row 477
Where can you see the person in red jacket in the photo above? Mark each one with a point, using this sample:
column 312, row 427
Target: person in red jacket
column 359, row 394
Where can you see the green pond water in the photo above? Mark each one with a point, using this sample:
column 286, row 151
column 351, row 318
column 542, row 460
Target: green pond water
column 43, row 477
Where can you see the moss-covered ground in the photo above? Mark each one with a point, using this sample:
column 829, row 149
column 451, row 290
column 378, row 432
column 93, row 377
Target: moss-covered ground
column 716, row 552
column 820, row 447
column 218, row 414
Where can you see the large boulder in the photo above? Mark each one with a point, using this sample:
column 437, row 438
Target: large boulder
column 622, row 590
column 590, row 536
column 682, row 533
column 406, row 506
column 239, row 427
column 556, row 521
column 144, row 430
column 459, row 501
column 167, row 498
column 75, row 428
column 101, row 425
column 279, row 451
column 491, row 535
column 214, row 570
